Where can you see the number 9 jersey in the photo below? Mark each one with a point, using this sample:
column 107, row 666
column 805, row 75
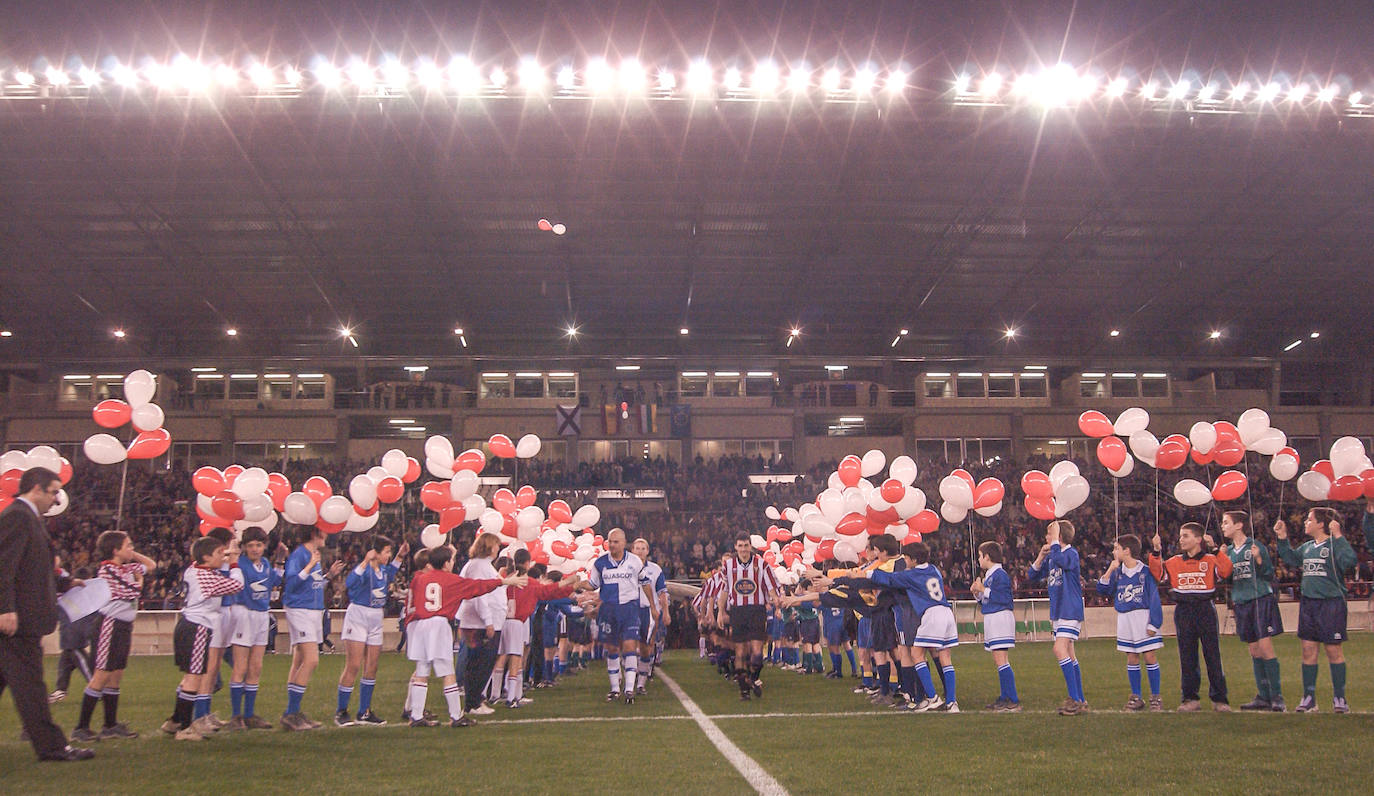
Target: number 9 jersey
column 438, row 593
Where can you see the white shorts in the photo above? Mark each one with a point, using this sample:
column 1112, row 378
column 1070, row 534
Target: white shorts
column 515, row 634
column 223, row 629
column 250, row 627
column 1067, row 628
column 1131, row 635
column 429, row 643
column 307, row 625
column 937, row 629
column 999, row 630
column 364, row 624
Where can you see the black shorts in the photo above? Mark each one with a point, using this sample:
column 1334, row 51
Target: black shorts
column 191, row 646
column 1258, row 619
column 791, row 631
column 112, row 643
column 1322, row 620
column 810, row 631
column 907, row 622
column 748, row 623
column 579, row 632
column 884, row 631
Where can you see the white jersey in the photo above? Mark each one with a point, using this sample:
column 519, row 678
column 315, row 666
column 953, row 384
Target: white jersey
column 618, row 581
column 205, row 590
column 652, row 576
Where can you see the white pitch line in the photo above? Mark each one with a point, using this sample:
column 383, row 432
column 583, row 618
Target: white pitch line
column 752, row 772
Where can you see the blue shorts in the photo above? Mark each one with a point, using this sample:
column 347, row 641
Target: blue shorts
column 832, row 623
column 646, row 625
column 550, row 629
column 774, row 628
column 1258, row 619
column 618, row 622
column 863, row 637
column 1322, row 620
column 907, row 622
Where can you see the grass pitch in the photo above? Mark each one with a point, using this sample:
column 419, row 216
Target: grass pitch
column 810, row 734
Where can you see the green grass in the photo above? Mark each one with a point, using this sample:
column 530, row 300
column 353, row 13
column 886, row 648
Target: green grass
column 1106, row 750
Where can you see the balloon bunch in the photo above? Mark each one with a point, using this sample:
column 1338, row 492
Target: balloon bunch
column 13, row 465
column 1054, row 495
column 152, row 439
column 238, row 497
column 441, row 462
column 1347, row 475
column 961, row 494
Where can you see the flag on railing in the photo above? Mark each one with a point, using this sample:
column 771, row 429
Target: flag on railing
column 569, row 420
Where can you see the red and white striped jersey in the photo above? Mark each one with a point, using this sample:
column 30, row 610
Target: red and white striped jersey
column 126, row 584
column 204, row 588
column 705, row 601
column 748, row 582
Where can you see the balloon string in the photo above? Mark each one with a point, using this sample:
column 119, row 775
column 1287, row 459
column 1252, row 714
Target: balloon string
column 1156, row 500
column 1249, row 506
column 1116, row 508
column 123, row 479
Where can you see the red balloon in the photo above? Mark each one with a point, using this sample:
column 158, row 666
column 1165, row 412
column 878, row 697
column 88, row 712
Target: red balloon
column 412, row 470
column 770, row 558
column 1040, row 508
column 881, row 519
column 206, row 526
column 825, row 550
column 9, row 482
column 451, row 517
column 470, row 459
column 1229, row 485
column 892, row 490
column 501, row 446
column 5, row 501
column 503, row 500
column 1095, row 424
column 524, row 498
column 924, row 521
column 560, row 512
column 227, row 505
column 376, row 506
column 851, row 469
column 851, row 524
column 966, row 475
column 540, row 557
column 150, row 444
column 1347, row 487
column 1324, row 467
column 911, row 538
column 435, row 495
column 1367, row 482
column 989, row 492
column 1037, row 485
column 1172, row 452
column 1228, row 452
column 315, row 488
column 598, row 540
column 330, row 528
column 1226, row 430
column 1111, row 452
column 278, row 488
column 509, row 527
column 784, row 535
column 797, row 547
column 1290, row 452
column 390, row 489
column 111, row 413
column 788, row 558
column 561, row 548
column 230, row 473
column 65, row 474
column 208, row 481
column 1201, row 458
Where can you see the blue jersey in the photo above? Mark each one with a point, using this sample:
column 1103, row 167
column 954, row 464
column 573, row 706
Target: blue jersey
column 229, row 600
column 258, row 582
column 1133, row 590
column 301, row 587
column 618, row 581
column 368, row 587
column 996, row 594
column 651, row 576
column 1060, row 572
column 925, row 588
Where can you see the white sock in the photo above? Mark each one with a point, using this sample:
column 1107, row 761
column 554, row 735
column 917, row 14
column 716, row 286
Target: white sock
column 613, row 669
column 418, row 691
column 513, row 688
column 631, row 669
column 701, row 647
column 454, row 697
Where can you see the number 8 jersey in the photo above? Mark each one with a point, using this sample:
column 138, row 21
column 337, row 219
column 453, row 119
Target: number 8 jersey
column 924, row 585
column 435, row 592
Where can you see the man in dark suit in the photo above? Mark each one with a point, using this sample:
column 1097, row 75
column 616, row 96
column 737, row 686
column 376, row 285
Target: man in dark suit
column 28, row 611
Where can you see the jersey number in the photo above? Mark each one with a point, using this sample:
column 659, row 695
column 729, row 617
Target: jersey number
column 434, row 596
column 937, row 594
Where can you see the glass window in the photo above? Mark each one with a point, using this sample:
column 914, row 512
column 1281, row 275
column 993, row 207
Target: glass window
column 759, row 386
column 529, row 386
column 1001, row 386
column 83, row 391
column 1092, row 387
column 692, row 386
column 109, row 388
column 1125, row 387
column 563, row 386
column 971, row 387
column 725, row 387
column 209, row 386
column 310, row 388
column 1154, row 388
column 278, row 388
column 940, row 450
column 495, row 385
column 993, row 450
column 1034, row 386
column 243, row 389
column 939, row 387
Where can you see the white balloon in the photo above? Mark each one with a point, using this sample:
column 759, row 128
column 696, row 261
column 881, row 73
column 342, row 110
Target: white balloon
column 529, row 515
column 464, row 483
column 834, row 482
column 104, row 449
column 363, row 490
column 1251, row 425
column 59, row 504
column 1192, row 493
column 1144, row 445
column 1071, row 494
column 1283, row 467
column 854, row 502
column 267, row 523
column 1203, row 437
column 435, row 469
column 18, row 460
column 1347, row 454
column 847, row 552
column 1314, row 486
column 256, row 507
column 1269, row 443
column 473, row 506
column 528, row 447
column 1127, row 465
column 988, row 511
column 335, row 509
column 877, row 502
column 586, row 516
column 953, row 513
column 956, row 490
column 772, row 513
column 377, row 472
column 818, row 526
column 757, row 542
column 903, row 469
column 831, row 504
column 1130, row 421
column 299, row 509
column 252, row 481
column 147, row 417
column 139, row 388
column 45, row 456
column 430, row 537
column 913, row 502
column 439, row 450
column 865, row 487
column 395, row 463
column 492, row 521
column 1060, row 471
column 872, row 463
column 790, row 514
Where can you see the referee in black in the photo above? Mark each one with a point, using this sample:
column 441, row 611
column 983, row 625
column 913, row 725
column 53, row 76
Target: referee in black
column 28, row 611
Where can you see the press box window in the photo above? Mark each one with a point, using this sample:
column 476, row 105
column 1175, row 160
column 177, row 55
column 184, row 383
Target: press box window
column 529, row 386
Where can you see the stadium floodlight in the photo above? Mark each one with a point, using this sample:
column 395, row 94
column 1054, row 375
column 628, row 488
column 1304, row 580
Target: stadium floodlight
column 1009, row 332
column 566, row 79
column 498, row 77
column 6, row 333
column 327, row 75
column 1298, row 93
column 1240, row 91
column 124, row 75
column 962, row 82
column 684, row 331
column 831, row 80
column 632, row 76
column 1179, row 90
column 1355, row 98
column 1114, row 333
column 119, row 334
column 667, row 81
column 765, row 78
column 1214, row 335
column 1270, row 92
column 531, row 75
column 88, row 76
column 799, row 79
column 464, row 75
column 1207, row 93
column 191, row 75
column 1024, row 85
column 864, row 79
column 226, row 76
column 361, row 75
column 571, row 331
column 1058, row 85
column 991, row 85
column 1315, row 335
column 262, row 76
column 293, row 76
column 231, row 332
column 429, row 75
column 733, row 79
column 700, row 77
column 1328, row 94
column 395, row 74
column 24, row 77
column 57, row 77
column 1149, row 90
column 599, row 76
column 896, row 81
column 1117, row 88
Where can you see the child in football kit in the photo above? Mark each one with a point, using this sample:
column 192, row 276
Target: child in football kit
column 205, row 588
column 223, row 631
column 250, row 629
column 368, row 585
column 994, row 594
column 1139, row 616
column 1192, row 576
column 1058, row 565
column 1324, row 559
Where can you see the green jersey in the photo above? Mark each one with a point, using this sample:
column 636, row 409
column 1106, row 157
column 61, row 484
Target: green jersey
column 1251, row 577
column 1323, row 564
column 807, row 611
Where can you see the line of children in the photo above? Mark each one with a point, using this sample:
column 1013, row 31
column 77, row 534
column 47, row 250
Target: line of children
column 368, row 586
column 250, row 621
column 1139, row 616
column 1058, row 565
column 994, row 594
column 205, row 588
column 1324, row 560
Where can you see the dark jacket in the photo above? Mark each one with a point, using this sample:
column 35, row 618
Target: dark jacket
column 28, row 583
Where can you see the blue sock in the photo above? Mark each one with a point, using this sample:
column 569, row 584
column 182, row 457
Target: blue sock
column 558, row 666
column 1078, row 682
column 365, row 695
column 947, row 674
column 853, row 666
column 835, row 662
column 250, row 699
column 1066, row 666
column 345, row 695
column 907, row 676
column 1152, row 671
column 923, row 677
column 1007, row 679
column 293, row 698
column 1133, row 675
column 884, row 670
column 236, row 697
column 202, row 706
